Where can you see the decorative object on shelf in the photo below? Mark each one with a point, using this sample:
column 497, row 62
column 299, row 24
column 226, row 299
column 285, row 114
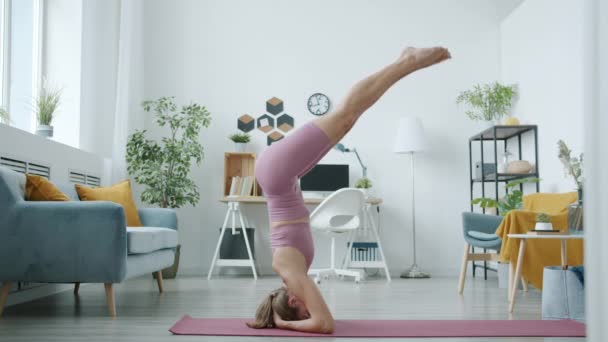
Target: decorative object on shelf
column 489, row 102
column 506, row 159
column 575, row 217
column 364, row 184
column 519, row 167
column 164, row 169
column 512, row 200
column 342, row 148
column 543, row 222
column 489, row 169
column 45, row 106
column 573, row 167
column 511, row 121
column 318, row 104
column 240, row 141
column 5, row 117
column 274, row 124
column 410, row 139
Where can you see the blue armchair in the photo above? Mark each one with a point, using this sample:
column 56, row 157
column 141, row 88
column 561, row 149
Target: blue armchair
column 479, row 231
column 78, row 242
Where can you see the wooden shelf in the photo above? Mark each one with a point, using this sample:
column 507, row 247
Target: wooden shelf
column 502, row 132
column 242, row 165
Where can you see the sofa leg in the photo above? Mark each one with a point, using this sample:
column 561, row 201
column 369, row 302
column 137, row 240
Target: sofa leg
column 463, row 267
column 6, row 287
column 159, row 280
column 110, row 299
column 76, row 288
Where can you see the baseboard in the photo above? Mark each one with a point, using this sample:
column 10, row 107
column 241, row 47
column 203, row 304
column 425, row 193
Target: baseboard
column 36, row 293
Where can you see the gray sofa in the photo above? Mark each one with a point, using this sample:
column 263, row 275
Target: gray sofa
column 78, row 242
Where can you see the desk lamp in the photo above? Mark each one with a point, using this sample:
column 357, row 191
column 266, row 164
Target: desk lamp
column 342, row 148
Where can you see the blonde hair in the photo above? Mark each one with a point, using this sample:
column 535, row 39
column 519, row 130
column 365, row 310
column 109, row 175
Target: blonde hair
column 276, row 301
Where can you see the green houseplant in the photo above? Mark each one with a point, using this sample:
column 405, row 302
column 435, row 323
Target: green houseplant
column 5, row 117
column 240, row 141
column 488, row 102
column 164, row 168
column 364, row 184
column 45, row 105
column 543, row 222
column 573, row 166
column 512, row 200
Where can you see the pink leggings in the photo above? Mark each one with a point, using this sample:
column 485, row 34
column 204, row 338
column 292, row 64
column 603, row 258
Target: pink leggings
column 277, row 170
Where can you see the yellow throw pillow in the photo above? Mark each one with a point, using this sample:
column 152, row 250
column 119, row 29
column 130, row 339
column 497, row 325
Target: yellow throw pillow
column 40, row 189
column 119, row 193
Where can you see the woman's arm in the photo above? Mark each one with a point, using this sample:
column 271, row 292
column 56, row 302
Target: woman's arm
column 307, row 325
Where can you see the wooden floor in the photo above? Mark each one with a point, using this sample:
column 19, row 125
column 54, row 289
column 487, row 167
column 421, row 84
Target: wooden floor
column 144, row 315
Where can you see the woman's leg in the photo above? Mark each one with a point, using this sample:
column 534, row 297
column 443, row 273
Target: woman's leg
column 367, row 91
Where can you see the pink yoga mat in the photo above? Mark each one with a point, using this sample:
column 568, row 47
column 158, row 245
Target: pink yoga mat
column 391, row 328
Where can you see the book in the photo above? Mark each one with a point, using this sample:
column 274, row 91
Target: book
column 233, row 186
column 544, row 232
column 248, row 186
column 243, row 189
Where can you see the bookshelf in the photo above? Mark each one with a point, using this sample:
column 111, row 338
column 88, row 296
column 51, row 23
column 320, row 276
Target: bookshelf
column 240, row 165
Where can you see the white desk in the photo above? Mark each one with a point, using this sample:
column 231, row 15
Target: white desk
column 234, row 211
column 520, row 257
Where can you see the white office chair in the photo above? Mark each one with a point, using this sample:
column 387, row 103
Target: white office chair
column 344, row 204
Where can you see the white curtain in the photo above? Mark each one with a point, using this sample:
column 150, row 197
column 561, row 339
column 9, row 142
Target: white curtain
column 129, row 84
column 596, row 164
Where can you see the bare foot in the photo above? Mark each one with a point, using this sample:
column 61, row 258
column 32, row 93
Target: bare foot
column 419, row 58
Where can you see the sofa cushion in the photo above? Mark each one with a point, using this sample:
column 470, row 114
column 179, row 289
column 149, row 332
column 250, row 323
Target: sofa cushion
column 118, row 193
column 38, row 188
column 14, row 183
column 141, row 240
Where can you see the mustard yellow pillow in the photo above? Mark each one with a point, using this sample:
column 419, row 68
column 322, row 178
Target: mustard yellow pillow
column 119, row 193
column 40, row 189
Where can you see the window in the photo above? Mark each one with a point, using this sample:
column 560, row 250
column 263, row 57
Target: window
column 20, row 47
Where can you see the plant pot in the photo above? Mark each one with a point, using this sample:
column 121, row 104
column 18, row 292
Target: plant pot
column 45, row 131
column 240, row 147
column 543, row 226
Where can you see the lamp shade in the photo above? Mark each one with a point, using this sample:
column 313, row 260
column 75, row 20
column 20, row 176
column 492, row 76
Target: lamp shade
column 410, row 136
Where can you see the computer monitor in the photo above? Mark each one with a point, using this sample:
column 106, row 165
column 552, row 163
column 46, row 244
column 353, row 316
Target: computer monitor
column 325, row 178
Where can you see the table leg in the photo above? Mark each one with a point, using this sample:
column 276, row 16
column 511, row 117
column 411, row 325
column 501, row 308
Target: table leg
column 517, row 275
column 511, row 273
column 219, row 242
column 564, row 255
column 374, row 229
column 243, row 227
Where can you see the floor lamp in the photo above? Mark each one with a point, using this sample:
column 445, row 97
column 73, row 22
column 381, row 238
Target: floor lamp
column 410, row 139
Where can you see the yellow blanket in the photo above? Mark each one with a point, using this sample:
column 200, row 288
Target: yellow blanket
column 539, row 253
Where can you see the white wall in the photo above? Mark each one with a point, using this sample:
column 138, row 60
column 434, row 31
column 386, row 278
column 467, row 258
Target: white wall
column 100, row 27
column 62, row 63
column 234, row 55
column 542, row 52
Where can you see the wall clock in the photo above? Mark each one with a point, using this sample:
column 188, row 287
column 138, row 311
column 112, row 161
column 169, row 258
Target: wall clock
column 318, row 104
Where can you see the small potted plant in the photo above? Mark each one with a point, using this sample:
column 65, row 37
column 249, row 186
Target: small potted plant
column 5, row 117
column 364, row 184
column 489, row 103
column 45, row 106
column 240, row 141
column 573, row 167
column 543, row 222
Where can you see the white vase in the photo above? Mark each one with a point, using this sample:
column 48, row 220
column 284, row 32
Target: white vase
column 45, row 131
column 543, row 226
column 240, row 147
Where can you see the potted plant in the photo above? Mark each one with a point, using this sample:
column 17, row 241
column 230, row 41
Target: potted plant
column 488, row 102
column 573, row 167
column 164, row 168
column 240, row 141
column 5, row 117
column 543, row 222
column 364, row 184
column 45, row 106
column 512, row 200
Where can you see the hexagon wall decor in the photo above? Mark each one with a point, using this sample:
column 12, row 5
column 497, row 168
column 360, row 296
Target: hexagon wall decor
column 274, row 137
column 265, row 123
column 246, row 123
column 274, row 106
column 285, row 123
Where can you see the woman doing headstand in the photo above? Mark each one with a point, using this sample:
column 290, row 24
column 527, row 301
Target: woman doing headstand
column 298, row 305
